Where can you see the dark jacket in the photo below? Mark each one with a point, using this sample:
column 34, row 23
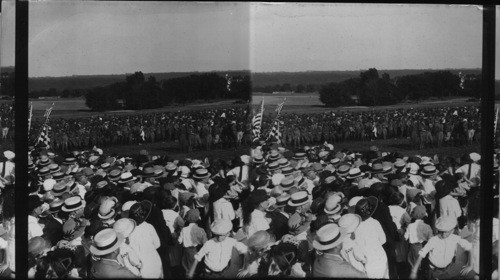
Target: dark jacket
column 329, row 265
column 52, row 230
column 109, row 269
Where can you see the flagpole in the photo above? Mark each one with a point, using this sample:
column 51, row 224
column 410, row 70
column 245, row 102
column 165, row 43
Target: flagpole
column 47, row 113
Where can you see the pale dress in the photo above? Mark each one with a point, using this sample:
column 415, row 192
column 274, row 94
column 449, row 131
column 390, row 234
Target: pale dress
column 370, row 236
column 144, row 241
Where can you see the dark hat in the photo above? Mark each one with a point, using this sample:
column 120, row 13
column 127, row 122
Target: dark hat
column 140, row 211
column 148, row 172
column 258, row 196
column 366, row 207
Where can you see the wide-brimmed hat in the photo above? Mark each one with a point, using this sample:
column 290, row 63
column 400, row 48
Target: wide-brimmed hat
column 55, row 206
column 138, row 187
column 411, row 193
column 299, row 156
column 58, row 176
column 221, row 226
column 299, row 198
column 105, row 242
column 446, row 223
column 107, row 209
column 355, row 173
column 429, row 170
column 44, row 171
column 124, row 226
column 140, row 211
column 201, row 173
column 72, row 204
column 59, row 188
column 274, row 156
column 273, row 166
column 126, row 177
column 298, row 223
column 377, row 168
column 72, row 229
column 399, row 164
column 260, row 240
column 44, row 160
column 283, row 162
column 366, row 207
column 332, row 205
column 287, row 183
column 343, row 170
column 69, row 160
column 148, row 172
column 54, row 167
column 349, row 222
column 114, row 175
column 328, row 236
column 288, row 170
column 258, row 159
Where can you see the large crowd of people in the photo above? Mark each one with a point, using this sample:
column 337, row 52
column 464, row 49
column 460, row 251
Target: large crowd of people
column 231, row 127
column 191, row 130
column 307, row 211
column 7, row 122
column 7, row 215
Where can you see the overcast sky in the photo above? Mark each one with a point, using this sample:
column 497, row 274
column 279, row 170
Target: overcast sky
column 7, row 37
column 82, row 38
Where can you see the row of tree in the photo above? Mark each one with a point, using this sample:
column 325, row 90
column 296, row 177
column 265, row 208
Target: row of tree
column 286, row 87
column 137, row 93
column 370, row 89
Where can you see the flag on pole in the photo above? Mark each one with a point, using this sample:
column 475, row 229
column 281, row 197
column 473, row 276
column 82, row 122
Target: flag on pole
column 44, row 137
column 275, row 131
column 257, row 122
column 30, row 115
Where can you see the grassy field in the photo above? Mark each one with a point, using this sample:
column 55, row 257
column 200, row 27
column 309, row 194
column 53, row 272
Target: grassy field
column 308, row 103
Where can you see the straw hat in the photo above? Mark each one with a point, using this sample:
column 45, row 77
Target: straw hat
column 332, row 205
column 73, row 203
column 126, row 177
column 124, row 226
column 429, row 170
column 287, row 183
column 299, row 198
column 106, row 210
column 49, row 184
column 73, row 229
column 349, row 222
column 355, row 173
column 105, row 242
column 327, row 237
column 221, row 226
column 201, row 173
column 343, row 170
column 298, row 224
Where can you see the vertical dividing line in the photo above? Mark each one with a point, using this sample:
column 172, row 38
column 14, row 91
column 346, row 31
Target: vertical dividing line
column 21, row 138
column 487, row 141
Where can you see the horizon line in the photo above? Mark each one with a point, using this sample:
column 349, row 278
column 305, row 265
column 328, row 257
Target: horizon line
column 251, row 72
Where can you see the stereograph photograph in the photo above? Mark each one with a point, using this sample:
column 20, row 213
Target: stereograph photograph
column 238, row 139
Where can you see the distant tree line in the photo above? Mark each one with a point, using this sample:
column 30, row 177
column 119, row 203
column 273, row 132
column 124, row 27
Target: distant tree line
column 370, row 89
column 137, row 92
column 8, row 79
column 286, row 87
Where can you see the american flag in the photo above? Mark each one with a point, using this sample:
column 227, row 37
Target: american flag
column 275, row 130
column 44, row 137
column 257, row 122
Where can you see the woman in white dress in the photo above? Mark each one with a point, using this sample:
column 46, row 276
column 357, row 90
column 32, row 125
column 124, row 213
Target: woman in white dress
column 370, row 236
column 144, row 241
